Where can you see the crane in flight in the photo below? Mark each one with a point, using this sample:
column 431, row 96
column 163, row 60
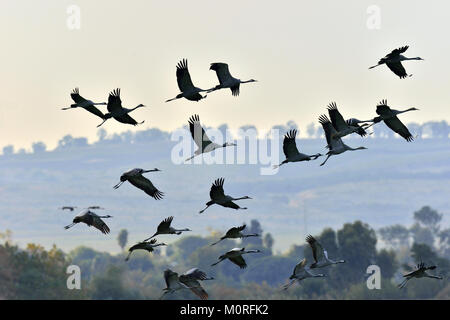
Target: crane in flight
column 165, row 228
column 87, row 105
column 394, row 60
column 173, row 283
column 192, row 278
column 226, row 80
column 187, row 88
column 70, row 208
column 291, row 152
column 235, row 256
column 91, row 219
column 301, row 272
column 144, row 245
column 319, row 254
column 389, row 116
column 344, row 127
column 116, row 111
column 236, row 233
column 218, row 196
column 136, row 178
column 334, row 145
column 201, row 139
column 420, row 272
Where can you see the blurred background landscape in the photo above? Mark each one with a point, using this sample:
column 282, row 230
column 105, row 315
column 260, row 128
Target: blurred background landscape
column 387, row 205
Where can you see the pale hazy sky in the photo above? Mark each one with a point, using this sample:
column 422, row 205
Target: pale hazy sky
column 304, row 54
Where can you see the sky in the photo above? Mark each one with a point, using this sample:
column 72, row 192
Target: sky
column 303, row 54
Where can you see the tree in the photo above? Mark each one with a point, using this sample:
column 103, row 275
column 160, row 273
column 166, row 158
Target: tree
column 397, row 235
column 268, row 241
column 428, row 217
column 38, row 147
column 8, row 150
column 122, row 238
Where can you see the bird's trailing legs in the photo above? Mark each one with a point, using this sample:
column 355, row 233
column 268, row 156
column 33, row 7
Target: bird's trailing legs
column 69, row 226
column 328, row 156
column 207, row 206
column 118, row 185
column 215, row 263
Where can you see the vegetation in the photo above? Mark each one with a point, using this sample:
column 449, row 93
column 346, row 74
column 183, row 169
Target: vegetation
column 35, row 273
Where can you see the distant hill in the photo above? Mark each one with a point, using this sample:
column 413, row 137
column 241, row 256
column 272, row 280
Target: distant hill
column 381, row 186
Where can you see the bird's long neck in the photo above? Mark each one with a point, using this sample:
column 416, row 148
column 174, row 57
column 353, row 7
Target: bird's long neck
column 410, row 109
column 186, row 229
column 415, row 58
column 250, row 235
column 241, row 198
column 247, row 81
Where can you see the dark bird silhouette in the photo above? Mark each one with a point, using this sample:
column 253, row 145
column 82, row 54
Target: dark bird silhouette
column 165, row 228
column 118, row 112
column 226, row 80
column 187, row 88
column 236, row 233
column 344, row 127
column 218, row 196
column 291, row 152
column 91, row 219
column 201, row 139
column 136, row 178
column 192, row 278
column 70, row 208
column 334, row 143
column 420, row 272
column 87, row 105
column 235, row 256
column 301, row 272
column 389, row 116
column 144, row 245
column 319, row 254
column 394, row 62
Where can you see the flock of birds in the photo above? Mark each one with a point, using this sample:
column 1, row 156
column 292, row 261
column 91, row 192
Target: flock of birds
column 335, row 128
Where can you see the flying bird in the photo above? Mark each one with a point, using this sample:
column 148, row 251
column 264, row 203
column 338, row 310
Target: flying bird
column 291, row 152
column 301, row 272
column 165, row 228
column 344, row 127
column 144, row 245
column 192, row 278
column 218, row 196
column 173, row 283
column 335, row 145
column 236, row 233
column 389, row 116
column 394, row 62
column 319, row 254
column 70, row 208
column 136, row 178
column 118, row 112
column 187, row 88
column 95, row 208
column 201, row 139
column 91, row 219
column 420, row 272
column 226, row 80
column 235, row 256
column 87, row 105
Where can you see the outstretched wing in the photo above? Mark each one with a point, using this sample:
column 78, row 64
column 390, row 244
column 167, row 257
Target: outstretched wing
column 383, row 109
column 396, row 125
column 289, row 144
column 239, row 261
column 396, row 52
column 316, row 247
column 183, row 76
column 235, row 89
column 196, row 273
column 397, row 68
column 337, row 120
column 199, row 135
column 165, row 224
column 223, row 74
column 217, row 191
column 114, row 102
column 194, row 286
column 329, row 132
column 75, row 95
column 235, row 230
column 100, row 224
column 352, row 122
column 146, row 185
column 171, row 279
column 300, row 267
